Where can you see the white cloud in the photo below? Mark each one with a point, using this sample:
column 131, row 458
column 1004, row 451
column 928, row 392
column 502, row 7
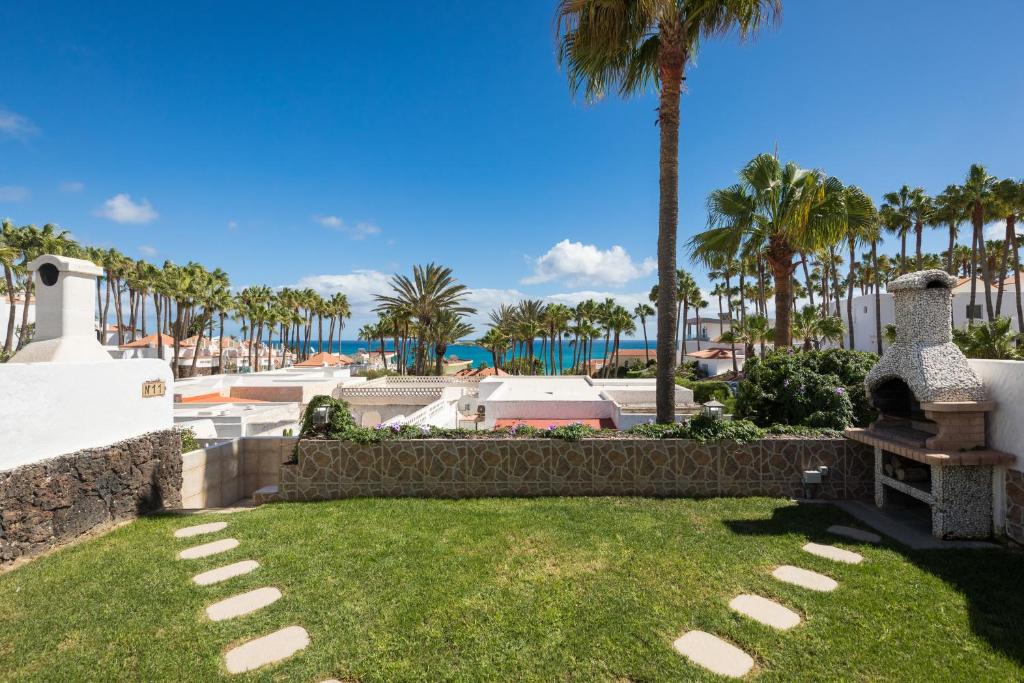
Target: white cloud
column 359, row 231
column 359, row 286
column 580, row 264
column 13, row 193
column 147, row 250
column 121, row 209
column 996, row 231
column 232, row 225
column 72, row 186
column 15, row 125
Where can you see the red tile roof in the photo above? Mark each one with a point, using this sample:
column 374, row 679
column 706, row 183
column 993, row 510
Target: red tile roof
column 482, row 372
column 149, row 342
column 324, row 359
column 217, row 398
column 711, row 354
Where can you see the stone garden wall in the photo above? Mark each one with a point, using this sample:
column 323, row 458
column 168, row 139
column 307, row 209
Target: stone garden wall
column 550, row 467
column 221, row 474
column 54, row 501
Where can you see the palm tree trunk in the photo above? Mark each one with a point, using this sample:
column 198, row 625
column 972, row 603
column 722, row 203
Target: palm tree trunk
column 1010, row 227
column 974, row 273
column 23, row 336
column 647, row 348
column 12, row 315
column 986, row 279
column 780, row 258
column 220, row 346
column 195, row 351
column 159, row 336
column 849, row 296
column 919, row 229
column 878, row 297
column 1016, row 276
column 807, row 278
column 671, row 62
column 952, row 246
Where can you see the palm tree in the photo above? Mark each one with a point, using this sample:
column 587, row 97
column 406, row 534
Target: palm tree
column 8, row 255
column 950, row 211
column 630, row 46
column 779, row 210
column 431, row 290
column 900, row 218
column 448, row 328
column 978, row 195
column 1009, row 200
column 919, row 211
column 861, row 225
column 993, row 339
column 643, row 312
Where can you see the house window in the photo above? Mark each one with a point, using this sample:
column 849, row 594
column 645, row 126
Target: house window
column 865, row 309
column 973, row 312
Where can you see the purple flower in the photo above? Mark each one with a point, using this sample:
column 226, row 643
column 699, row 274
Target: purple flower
column 396, row 427
column 425, row 430
column 552, row 428
column 379, row 426
column 785, row 383
column 840, row 391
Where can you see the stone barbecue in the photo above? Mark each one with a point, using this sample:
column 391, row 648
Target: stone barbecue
column 929, row 438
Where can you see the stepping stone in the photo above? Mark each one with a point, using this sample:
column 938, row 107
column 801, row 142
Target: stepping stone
column 805, row 578
column 242, row 604
column 855, row 534
column 266, row 650
column 765, row 611
column 830, row 552
column 714, row 654
column 200, row 529
column 228, row 571
column 207, row 549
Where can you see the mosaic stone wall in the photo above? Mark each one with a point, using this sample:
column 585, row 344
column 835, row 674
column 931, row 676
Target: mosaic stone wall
column 1015, row 505
column 547, row 467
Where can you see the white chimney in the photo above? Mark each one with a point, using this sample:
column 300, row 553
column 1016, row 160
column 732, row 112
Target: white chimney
column 65, row 292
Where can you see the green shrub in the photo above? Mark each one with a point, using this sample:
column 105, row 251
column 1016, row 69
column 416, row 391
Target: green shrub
column 807, row 388
column 701, row 428
column 705, row 390
column 189, row 442
column 800, row 430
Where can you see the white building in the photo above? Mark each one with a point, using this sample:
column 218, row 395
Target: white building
column 716, row 361
column 864, row 325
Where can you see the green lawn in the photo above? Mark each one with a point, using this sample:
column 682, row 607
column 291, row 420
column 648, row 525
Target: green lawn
column 554, row 589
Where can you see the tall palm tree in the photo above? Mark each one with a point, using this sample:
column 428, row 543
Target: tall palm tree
column 1009, row 201
column 861, row 226
column 643, row 312
column 448, row 328
column 978, row 195
column 631, row 46
column 431, row 290
column 780, row 210
column 9, row 252
column 950, row 211
column 919, row 211
column 900, row 219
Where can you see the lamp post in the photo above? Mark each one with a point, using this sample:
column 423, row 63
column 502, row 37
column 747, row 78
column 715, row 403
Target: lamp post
column 322, row 415
column 714, row 409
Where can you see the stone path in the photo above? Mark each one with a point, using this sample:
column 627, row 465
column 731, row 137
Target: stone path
column 805, row 578
column 855, row 534
column 228, row 571
column 830, row 552
column 714, row 654
column 266, row 650
column 200, row 529
column 258, row 652
column 765, row 611
column 208, row 549
column 242, row 604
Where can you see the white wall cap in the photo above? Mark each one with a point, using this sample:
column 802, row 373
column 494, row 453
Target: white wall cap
column 66, row 264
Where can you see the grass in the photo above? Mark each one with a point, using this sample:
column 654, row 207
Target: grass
column 553, row 589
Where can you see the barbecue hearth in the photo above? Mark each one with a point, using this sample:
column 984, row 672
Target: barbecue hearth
column 931, row 407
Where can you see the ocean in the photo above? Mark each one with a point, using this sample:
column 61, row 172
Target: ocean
column 480, row 355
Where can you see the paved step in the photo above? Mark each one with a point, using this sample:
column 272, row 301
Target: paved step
column 268, row 649
column 207, row 549
column 714, row 654
column 805, row 578
column 267, row 494
column 242, row 604
column 228, row 571
column 830, row 552
column 855, row 534
column 765, row 611
column 200, row 529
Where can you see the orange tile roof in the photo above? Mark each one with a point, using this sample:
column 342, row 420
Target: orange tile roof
column 482, row 372
column 324, row 359
column 217, row 398
column 711, row 354
column 149, row 342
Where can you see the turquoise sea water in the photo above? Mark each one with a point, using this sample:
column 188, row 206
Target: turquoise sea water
column 480, row 355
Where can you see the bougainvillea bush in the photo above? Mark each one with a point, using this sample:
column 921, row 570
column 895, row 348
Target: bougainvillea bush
column 807, row 388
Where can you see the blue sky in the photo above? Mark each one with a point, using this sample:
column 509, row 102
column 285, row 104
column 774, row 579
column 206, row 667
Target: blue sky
column 331, row 144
